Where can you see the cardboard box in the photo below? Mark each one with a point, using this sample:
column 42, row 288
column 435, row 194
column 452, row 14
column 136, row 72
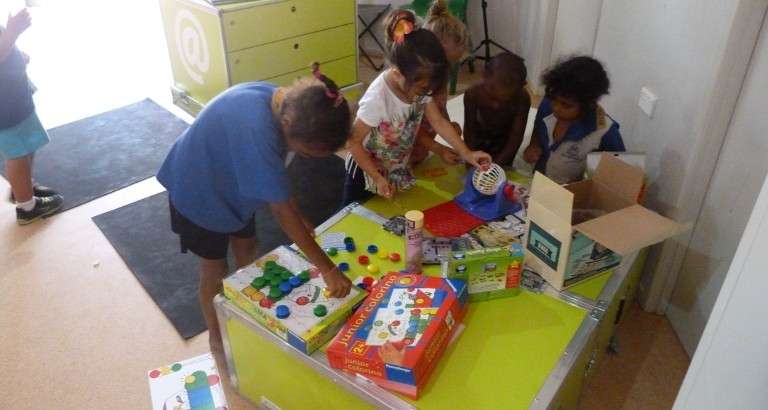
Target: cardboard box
column 304, row 328
column 564, row 251
column 398, row 334
column 490, row 273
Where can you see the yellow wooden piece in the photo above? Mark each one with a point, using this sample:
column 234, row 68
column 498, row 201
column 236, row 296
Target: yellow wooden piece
column 246, row 26
column 285, row 56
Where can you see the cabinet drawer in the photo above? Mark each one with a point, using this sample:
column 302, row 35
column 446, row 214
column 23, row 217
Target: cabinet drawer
column 252, row 26
column 287, row 56
column 342, row 71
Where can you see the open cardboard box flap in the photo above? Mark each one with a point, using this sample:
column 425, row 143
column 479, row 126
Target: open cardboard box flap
column 621, row 178
column 630, row 229
column 549, row 194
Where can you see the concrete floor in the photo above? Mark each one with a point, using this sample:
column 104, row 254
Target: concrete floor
column 77, row 330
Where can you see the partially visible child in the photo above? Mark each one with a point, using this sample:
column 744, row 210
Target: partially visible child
column 570, row 123
column 391, row 112
column 453, row 36
column 496, row 109
column 232, row 159
column 21, row 133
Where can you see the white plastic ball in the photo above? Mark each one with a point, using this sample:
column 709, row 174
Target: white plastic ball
column 488, row 182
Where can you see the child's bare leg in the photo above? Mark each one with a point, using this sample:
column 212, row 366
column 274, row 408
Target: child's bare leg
column 244, row 250
column 212, row 271
column 19, row 172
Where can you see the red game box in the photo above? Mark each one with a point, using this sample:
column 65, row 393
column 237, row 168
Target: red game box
column 398, row 334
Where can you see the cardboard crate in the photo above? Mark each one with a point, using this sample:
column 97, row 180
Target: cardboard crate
column 564, row 252
column 400, row 331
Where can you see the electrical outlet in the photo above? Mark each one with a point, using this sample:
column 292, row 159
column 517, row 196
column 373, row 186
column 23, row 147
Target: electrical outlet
column 647, row 101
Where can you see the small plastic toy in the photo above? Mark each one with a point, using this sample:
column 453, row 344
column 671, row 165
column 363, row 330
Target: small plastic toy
column 343, row 266
column 363, row 260
column 259, row 282
column 295, row 281
column 368, row 281
column 285, row 287
column 275, row 293
column 383, row 255
column 487, row 196
column 394, row 257
column 373, row 249
column 395, row 225
column 350, row 247
column 332, row 251
column 373, row 268
column 320, row 310
column 304, row 276
column 282, row 312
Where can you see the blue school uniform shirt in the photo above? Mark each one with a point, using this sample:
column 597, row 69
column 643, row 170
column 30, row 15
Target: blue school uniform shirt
column 566, row 161
column 229, row 161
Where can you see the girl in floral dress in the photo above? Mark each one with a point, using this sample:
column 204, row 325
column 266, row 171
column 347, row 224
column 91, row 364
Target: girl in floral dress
column 390, row 113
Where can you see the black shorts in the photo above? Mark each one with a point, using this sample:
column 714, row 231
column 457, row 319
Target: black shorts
column 202, row 242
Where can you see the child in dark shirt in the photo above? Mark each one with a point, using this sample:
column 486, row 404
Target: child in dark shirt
column 496, row 109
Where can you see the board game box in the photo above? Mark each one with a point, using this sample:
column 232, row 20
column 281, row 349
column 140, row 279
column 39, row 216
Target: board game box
column 490, row 273
column 284, row 293
column 398, row 334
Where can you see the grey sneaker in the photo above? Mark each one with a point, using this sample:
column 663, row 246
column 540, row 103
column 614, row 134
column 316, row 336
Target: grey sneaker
column 43, row 207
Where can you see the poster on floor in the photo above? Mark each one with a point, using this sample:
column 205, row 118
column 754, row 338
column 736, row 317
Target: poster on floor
column 192, row 384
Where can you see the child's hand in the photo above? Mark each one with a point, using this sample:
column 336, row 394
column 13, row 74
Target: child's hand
column 18, row 23
column 336, row 283
column 384, row 187
column 449, row 156
column 532, row 153
column 479, row 159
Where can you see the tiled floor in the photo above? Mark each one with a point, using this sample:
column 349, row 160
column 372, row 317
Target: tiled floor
column 77, row 331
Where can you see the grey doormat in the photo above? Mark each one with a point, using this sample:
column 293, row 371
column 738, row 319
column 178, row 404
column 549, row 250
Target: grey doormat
column 95, row 156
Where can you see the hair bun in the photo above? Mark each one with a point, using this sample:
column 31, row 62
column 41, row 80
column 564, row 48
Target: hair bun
column 399, row 24
column 439, row 8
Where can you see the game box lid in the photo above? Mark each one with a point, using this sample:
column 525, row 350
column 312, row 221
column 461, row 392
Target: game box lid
column 401, row 329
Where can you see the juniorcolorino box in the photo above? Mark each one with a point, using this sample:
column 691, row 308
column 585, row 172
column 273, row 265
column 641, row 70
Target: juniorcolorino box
column 396, row 337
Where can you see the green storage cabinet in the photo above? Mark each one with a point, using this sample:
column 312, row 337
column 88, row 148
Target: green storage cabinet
column 214, row 47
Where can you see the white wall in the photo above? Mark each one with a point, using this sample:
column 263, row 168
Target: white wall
column 694, row 55
column 730, row 367
column 576, row 27
column 740, row 171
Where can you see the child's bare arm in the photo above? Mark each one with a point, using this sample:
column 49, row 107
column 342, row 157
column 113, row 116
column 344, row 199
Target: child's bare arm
column 291, row 222
column 516, row 132
column 446, row 130
column 364, row 161
column 16, row 25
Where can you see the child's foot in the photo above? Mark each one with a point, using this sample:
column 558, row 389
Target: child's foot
column 40, row 191
column 43, row 207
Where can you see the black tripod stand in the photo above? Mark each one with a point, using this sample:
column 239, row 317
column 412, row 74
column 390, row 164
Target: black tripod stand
column 487, row 41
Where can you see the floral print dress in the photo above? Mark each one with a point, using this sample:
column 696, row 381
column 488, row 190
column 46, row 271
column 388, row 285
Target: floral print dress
column 394, row 127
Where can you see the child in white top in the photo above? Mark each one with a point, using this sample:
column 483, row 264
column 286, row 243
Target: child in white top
column 390, row 113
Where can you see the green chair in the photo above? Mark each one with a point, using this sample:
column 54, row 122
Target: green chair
column 459, row 9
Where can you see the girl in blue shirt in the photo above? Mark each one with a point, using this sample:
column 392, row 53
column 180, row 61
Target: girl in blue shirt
column 570, row 123
column 232, row 159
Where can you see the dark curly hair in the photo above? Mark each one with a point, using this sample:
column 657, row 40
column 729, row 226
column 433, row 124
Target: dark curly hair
column 419, row 55
column 318, row 115
column 580, row 78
